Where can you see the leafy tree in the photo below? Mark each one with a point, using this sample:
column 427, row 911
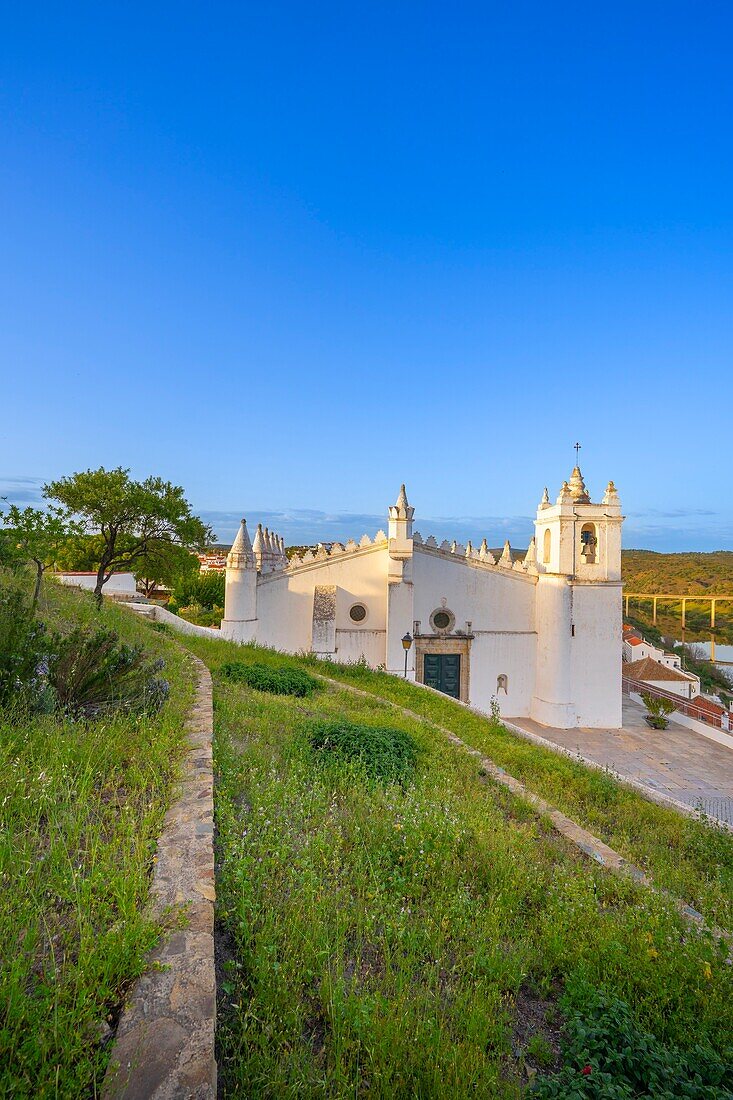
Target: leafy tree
column 37, row 537
column 206, row 589
column 82, row 552
column 167, row 566
column 135, row 519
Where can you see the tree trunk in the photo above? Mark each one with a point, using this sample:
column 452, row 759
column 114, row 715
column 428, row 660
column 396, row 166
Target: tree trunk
column 37, row 586
column 98, row 587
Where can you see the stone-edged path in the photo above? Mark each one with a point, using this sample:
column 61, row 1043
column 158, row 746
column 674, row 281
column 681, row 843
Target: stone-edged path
column 164, row 1047
column 676, row 763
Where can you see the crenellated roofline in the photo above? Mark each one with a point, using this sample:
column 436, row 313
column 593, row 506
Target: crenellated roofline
column 526, row 569
column 456, row 552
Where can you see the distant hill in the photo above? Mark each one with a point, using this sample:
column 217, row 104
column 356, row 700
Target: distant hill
column 688, row 574
column 647, row 571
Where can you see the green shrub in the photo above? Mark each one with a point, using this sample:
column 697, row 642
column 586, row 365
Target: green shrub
column 607, row 1056
column 22, row 649
column 91, row 675
column 199, row 615
column 278, row 681
column 387, row 755
column 205, row 589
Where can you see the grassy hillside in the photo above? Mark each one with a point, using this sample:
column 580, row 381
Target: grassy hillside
column 81, row 806
column 647, row 571
column 432, row 936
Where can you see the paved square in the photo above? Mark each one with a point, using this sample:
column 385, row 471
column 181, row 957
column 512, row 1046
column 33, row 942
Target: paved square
column 676, row 761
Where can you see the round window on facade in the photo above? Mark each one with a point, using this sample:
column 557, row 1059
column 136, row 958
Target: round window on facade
column 442, row 619
column 358, row 613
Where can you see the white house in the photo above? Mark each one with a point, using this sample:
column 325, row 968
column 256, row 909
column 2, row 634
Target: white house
column 658, row 675
column 638, row 649
column 540, row 635
column 646, row 662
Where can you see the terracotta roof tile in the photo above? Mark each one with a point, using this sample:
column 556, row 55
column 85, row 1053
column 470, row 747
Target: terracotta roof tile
column 710, row 707
column 647, row 669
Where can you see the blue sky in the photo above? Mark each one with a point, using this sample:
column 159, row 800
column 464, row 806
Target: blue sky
column 290, row 255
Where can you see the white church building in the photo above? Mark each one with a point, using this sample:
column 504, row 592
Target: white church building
column 540, row 636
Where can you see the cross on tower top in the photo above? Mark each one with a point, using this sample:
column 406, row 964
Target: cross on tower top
column 577, row 452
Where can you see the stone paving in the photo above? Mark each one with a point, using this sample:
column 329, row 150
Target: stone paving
column 677, row 762
column 164, row 1048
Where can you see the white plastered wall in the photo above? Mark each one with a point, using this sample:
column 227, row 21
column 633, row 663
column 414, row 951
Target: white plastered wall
column 596, row 657
column 119, row 584
column 285, row 604
column 500, row 605
column 685, row 689
column 552, row 702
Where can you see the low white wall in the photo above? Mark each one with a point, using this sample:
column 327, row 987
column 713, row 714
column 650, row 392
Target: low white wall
column 122, row 584
column 175, row 622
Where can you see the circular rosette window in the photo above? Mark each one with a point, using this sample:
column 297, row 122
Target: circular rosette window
column 442, row 620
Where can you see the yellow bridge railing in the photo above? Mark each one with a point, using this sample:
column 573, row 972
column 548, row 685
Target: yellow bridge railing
column 676, row 597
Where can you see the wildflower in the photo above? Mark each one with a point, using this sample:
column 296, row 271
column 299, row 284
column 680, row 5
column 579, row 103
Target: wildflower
column 397, row 826
column 586, row 1070
column 652, row 953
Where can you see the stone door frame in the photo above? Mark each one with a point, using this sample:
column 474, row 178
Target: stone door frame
column 459, row 644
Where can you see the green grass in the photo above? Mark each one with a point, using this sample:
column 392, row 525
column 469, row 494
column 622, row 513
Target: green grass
column 412, row 940
column 692, row 859
column 81, row 806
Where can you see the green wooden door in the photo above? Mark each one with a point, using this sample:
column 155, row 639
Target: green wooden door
column 443, row 671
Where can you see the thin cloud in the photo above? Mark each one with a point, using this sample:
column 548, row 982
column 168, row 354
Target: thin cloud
column 677, row 513
column 653, row 530
column 305, row 526
column 21, row 489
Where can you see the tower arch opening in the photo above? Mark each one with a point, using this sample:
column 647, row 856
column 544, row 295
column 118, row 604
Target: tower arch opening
column 588, row 543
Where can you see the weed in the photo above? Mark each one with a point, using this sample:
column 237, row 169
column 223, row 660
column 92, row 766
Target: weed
column 91, row 675
column 608, row 1056
column 539, row 1050
column 22, row 642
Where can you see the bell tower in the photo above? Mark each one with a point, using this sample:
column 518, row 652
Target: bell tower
column 576, row 537
column 578, row 608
